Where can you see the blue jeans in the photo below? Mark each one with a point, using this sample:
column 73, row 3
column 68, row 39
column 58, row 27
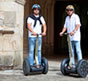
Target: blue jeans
column 32, row 42
column 76, row 44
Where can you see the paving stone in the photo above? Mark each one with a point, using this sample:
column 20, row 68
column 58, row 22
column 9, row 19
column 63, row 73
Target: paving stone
column 54, row 74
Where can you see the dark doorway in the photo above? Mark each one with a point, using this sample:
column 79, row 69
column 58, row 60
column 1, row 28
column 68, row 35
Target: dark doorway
column 60, row 43
column 59, row 12
column 84, row 28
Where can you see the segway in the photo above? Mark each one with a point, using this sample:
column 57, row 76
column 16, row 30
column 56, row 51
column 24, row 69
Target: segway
column 43, row 68
column 81, row 68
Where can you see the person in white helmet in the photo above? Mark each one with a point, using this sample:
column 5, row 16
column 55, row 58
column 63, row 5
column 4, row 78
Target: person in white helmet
column 72, row 26
column 35, row 25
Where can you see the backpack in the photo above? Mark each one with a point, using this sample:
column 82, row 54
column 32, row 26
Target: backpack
column 34, row 18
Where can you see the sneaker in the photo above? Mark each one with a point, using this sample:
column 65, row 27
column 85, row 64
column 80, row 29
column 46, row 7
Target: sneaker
column 69, row 67
column 37, row 66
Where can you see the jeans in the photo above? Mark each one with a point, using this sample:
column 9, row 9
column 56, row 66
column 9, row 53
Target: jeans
column 76, row 44
column 32, row 42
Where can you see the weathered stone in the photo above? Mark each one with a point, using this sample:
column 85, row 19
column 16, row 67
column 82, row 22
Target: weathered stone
column 6, row 0
column 9, row 18
column 1, row 44
column 1, row 18
column 18, row 58
column 8, row 60
column 22, row 2
column 1, row 59
column 11, row 44
column 1, row 22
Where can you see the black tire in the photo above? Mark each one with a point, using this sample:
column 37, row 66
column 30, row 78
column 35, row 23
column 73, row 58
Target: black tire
column 26, row 67
column 45, row 65
column 82, row 68
column 63, row 63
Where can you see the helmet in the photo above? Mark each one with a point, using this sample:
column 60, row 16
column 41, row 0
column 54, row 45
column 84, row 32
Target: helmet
column 36, row 6
column 70, row 7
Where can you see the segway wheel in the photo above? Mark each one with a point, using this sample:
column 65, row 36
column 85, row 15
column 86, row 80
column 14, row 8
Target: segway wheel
column 45, row 65
column 82, row 68
column 26, row 67
column 64, row 63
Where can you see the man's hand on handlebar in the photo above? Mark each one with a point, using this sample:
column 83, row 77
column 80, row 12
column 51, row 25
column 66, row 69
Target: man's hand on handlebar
column 43, row 34
column 33, row 33
column 61, row 34
column 72, row 33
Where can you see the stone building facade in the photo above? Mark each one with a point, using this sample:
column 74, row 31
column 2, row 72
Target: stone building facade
column 11, row 32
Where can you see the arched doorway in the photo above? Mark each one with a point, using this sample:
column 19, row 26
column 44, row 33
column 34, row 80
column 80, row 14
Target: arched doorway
column 60, row 44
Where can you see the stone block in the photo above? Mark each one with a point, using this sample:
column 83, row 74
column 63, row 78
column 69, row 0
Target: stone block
column 1, row 18
column 8, row 60
column 18, row 58
column 12, row 43
column 1, row 58
column 8, row 44
column 1, row 43
column 1, row 22
column 10, row 18
column 6, row 0
column 22, row 2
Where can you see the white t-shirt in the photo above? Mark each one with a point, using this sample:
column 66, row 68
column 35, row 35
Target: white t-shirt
column 70, row 24
column 38, row 27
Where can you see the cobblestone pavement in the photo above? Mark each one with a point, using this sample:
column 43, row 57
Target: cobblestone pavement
column 54, row 74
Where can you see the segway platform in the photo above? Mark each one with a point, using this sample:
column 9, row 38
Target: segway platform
column 28, row 69
column 35, row 69
column 81, row 68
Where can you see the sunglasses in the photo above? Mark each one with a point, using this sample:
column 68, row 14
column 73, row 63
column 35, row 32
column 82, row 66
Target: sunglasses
column 36, row 8
column 69, row 10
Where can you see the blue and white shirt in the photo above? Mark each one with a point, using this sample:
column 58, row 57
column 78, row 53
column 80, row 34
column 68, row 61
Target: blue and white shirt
column 38, row 28
column 70, row 24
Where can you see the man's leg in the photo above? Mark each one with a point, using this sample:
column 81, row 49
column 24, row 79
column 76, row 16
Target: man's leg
column 72, row 42
column 78, row 50
column 31, row 50
column 39, row 50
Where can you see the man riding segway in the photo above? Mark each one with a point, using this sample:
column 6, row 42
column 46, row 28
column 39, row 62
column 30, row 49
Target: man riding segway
column 72, row 26
column 36, row 29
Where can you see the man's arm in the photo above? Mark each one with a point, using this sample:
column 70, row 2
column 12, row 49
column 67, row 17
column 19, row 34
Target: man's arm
column 78, row 24
column 63, row 30
column 30, row 29
column 76, row 28
column 44, row 29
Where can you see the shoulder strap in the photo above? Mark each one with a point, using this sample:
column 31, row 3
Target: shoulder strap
column 34, row 18
column 39, row 19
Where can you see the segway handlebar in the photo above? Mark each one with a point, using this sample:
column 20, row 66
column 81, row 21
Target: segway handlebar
column 66, row 33
column 37, row 34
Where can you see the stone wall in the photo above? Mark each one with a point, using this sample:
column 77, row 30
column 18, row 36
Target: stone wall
column 11, row 32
